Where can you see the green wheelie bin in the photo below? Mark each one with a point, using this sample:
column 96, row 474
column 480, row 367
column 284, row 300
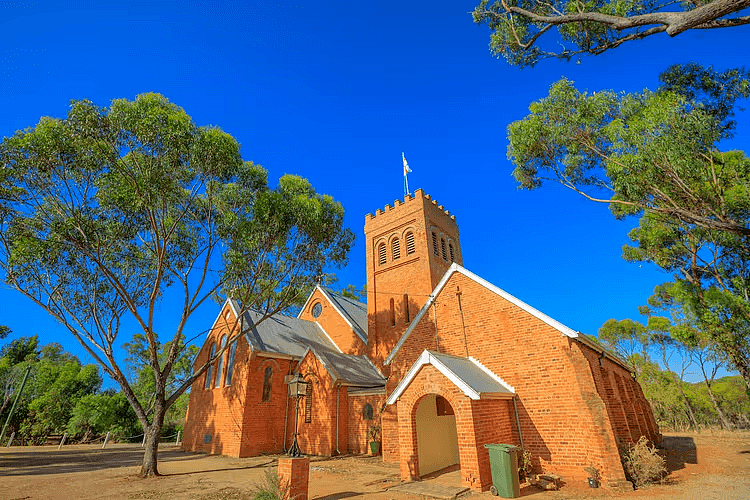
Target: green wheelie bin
column 504, row 466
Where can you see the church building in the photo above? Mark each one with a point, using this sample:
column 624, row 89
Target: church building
column 439, row 359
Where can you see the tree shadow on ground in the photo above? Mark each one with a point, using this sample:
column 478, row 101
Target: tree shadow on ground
column 43, row 461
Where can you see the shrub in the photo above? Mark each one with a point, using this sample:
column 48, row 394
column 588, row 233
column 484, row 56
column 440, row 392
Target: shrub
column 524, row 464
column 271, row 487
column 642, row 463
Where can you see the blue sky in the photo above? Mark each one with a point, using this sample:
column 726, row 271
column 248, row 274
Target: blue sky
column 335, row 91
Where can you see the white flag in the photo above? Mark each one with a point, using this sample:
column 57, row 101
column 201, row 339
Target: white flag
column 406, row 165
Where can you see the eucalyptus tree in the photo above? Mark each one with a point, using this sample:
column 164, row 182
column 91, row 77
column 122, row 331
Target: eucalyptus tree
column 656, row 155
column 109, row 214
column 525, row 31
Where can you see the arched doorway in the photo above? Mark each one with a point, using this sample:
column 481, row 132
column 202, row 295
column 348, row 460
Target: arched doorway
column 437, row 435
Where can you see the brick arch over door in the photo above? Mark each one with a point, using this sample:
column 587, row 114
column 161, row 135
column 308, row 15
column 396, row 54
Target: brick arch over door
column 478, row 422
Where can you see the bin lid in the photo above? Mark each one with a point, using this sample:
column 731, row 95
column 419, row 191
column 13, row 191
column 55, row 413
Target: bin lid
column 504, row 447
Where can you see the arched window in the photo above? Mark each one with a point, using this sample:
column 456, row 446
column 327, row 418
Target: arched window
column 434, row 244
column 396, row 249
column 393, row 312
column 220, row 363
column 407, row 317
column 410, row 249
column 453, row 255
column 367, row 412
column 381, row 254
column 230, row 364
column 267, row 384
column 208, row 371
column 442, row 245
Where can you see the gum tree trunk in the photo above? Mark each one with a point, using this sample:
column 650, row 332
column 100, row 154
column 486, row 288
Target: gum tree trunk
column 150, row 455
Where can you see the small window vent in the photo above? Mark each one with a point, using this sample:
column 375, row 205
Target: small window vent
column 453, row 255
column 381, row 254
column 442, row 245
column 435, row 244
column 396, row 249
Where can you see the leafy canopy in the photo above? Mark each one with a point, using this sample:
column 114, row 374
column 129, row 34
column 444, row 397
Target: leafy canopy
column 106, row 212
column 518, row 27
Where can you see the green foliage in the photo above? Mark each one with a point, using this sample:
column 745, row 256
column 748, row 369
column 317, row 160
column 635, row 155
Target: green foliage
column 655, row 155
column 525, row 31
column 107, row 211
column 97, row 414
column 270, row 488
column 642, row 463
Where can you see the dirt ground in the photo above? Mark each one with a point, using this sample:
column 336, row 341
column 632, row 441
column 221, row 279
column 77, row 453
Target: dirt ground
column 702, row 466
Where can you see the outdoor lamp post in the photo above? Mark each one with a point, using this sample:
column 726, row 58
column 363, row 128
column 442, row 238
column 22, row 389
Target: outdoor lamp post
column 297, row 389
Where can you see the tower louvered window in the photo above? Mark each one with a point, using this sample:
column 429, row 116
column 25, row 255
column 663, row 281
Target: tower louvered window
column 381, row 254
column 434, row 244
column 442, row 245
column 396, row 245
column 410, row 243
column 453, row 255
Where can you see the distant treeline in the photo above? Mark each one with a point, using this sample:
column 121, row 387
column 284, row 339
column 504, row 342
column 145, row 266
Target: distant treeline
column 662, row 389
column 62, row 395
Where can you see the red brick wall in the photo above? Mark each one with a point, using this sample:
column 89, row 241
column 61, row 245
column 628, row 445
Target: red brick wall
column 358, row 426
column 318, row 437
column 565, row 422
column 294, row 476
column 477, row 423
column 263, row 421
column 217, row 412
column 415, row 275
column 334, row 325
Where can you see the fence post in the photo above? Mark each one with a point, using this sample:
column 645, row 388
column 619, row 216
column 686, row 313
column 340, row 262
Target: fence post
column 178, row 438
column 10, row 440
column 62, row 441
column 106, row 438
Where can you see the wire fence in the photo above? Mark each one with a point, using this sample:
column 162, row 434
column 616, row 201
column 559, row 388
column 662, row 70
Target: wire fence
column 63, row 439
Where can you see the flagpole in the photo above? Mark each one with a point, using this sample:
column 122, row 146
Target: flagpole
column 406, row 179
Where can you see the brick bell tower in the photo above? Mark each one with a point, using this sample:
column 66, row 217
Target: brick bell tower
column 410, row 246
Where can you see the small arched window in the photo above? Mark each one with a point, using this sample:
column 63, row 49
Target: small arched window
column 453, row 255
column 396, row 249
column 393, row 312
column 230, row 364
column 381, row 254
column 442, row 245
column 367, row 412
column 267, row 384
column 435, row 244
column 208, row 371
column 220, row 363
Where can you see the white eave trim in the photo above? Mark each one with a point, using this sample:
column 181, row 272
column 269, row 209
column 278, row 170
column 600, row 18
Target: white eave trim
column 455, row 268
column 329, row 337
column 492, row 374
column 426, row 358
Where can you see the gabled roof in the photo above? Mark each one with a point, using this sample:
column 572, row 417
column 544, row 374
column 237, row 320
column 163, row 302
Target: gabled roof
column 349, row 370
column 455, row 268
column 280, row 334
column 469, row 375
column 352, row 311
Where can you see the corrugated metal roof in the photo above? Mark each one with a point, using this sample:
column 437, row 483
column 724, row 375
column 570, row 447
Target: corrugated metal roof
column 469, row 375
column 282, row 334
column 354, row 370
column 354, row 310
